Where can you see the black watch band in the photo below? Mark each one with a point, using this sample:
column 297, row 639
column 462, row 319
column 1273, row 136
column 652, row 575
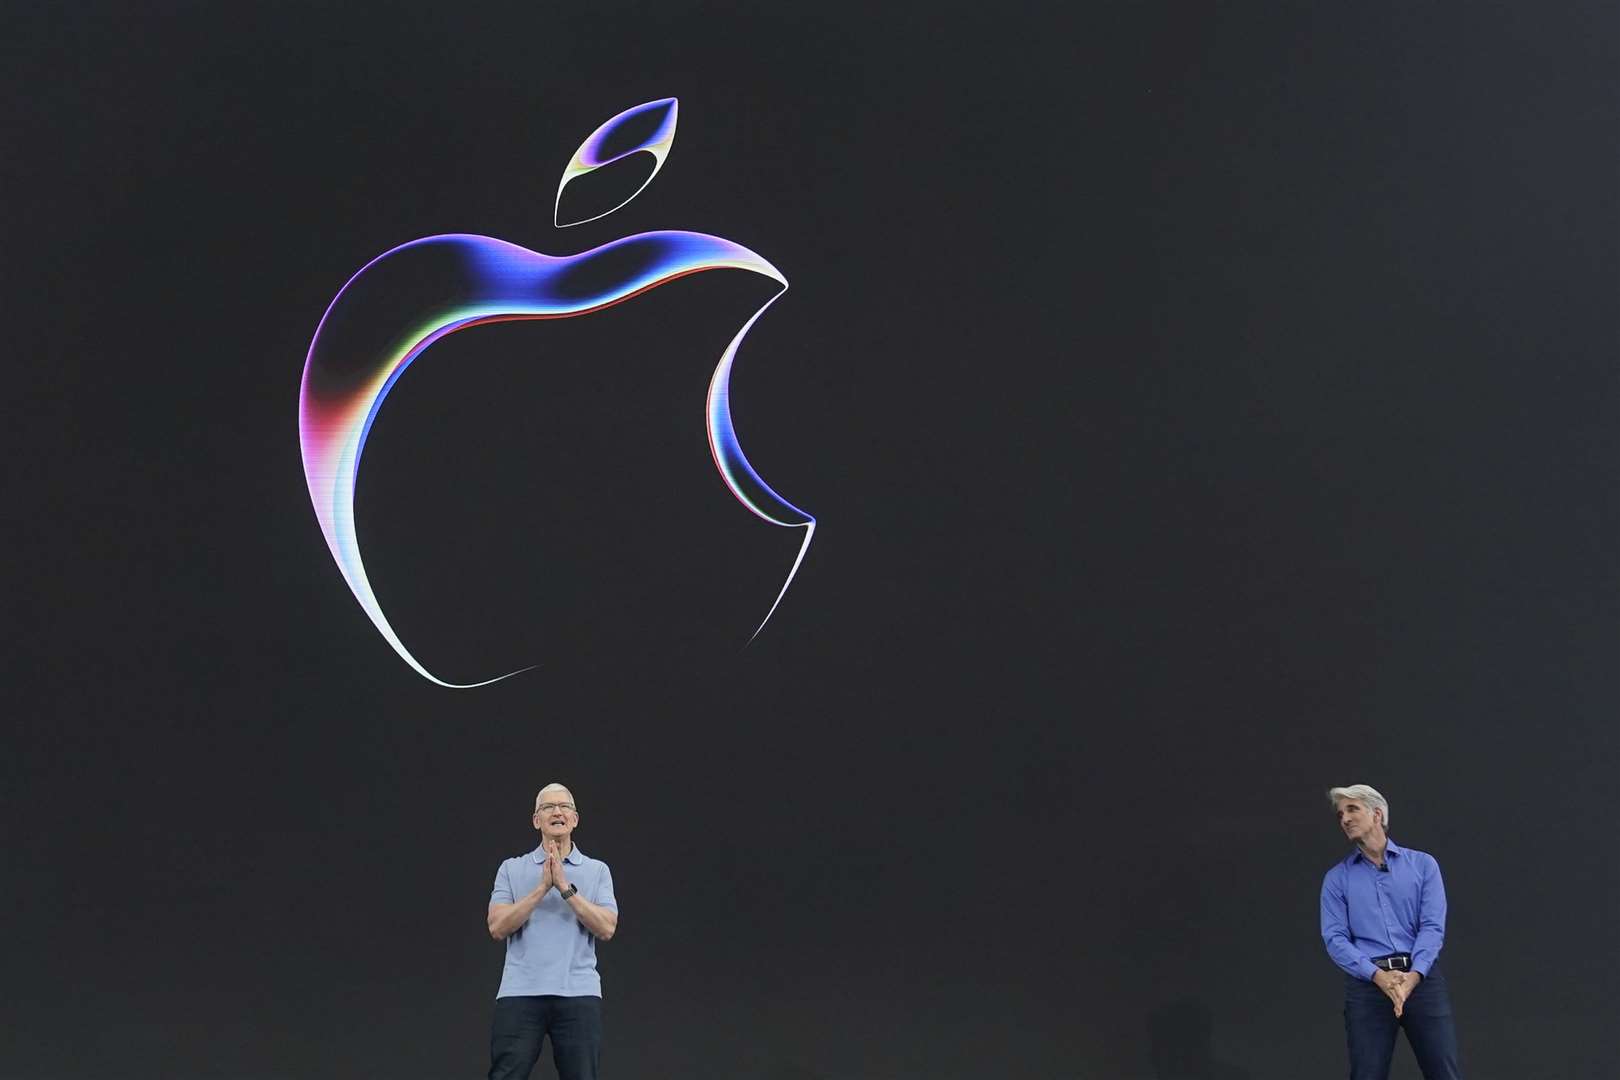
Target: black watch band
column 568, row 894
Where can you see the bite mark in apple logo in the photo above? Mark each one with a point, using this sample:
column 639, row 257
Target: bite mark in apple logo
column 455, row 281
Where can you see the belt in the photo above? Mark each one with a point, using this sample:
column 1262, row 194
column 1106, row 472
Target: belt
column 1393, row 962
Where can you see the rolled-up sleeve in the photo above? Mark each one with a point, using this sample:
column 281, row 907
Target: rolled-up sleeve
column 1431, row 931
column 1336, row 928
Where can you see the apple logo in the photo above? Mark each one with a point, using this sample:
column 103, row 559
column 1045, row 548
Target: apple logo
column 396, row 306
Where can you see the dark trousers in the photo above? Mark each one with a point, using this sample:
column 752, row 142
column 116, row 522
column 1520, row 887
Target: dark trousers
column 1370, row 1025
column 522, row 1023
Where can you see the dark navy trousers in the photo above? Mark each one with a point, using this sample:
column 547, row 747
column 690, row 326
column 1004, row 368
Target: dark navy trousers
column 1370, row 1025
column 522, row 1023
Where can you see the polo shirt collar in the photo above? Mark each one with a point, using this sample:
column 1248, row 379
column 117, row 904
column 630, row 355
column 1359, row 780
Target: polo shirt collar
column 575, row 857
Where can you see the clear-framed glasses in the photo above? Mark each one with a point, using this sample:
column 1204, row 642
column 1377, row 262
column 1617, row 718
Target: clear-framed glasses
column 548, row 807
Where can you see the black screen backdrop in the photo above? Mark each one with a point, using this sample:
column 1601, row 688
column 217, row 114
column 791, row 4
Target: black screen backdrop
column 1202, row 407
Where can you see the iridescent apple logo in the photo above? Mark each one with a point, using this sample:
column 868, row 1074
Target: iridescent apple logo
column 407, row 298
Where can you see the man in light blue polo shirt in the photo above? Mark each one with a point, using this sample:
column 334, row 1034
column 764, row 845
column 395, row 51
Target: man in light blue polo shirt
column 551, row 907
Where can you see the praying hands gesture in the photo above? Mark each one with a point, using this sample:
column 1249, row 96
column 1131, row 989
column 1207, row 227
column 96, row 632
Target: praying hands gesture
column 545, row 874
column 553, row 874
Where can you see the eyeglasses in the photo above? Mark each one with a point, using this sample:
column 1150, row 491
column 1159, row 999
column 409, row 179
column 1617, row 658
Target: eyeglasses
column 548, row 807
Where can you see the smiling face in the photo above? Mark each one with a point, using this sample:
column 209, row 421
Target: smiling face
column 555, row 814
column 1361, row 824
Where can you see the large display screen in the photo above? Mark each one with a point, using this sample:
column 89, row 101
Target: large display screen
column 1177, row 410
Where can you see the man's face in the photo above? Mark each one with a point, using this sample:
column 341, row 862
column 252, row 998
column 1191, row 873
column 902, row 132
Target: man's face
column 1357, row 821
column 554, row 814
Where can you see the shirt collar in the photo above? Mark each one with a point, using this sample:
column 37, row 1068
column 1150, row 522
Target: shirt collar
column 1390, row 848
column 575, row 857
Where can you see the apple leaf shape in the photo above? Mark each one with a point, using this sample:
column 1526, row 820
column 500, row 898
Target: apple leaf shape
column 649, row 127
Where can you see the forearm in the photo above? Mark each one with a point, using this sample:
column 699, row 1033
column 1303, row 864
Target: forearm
column 1426, row 949
column 1431, row 931
column 1335, row 924
column 1350, row 960
column 507, row 919
column 600, row 921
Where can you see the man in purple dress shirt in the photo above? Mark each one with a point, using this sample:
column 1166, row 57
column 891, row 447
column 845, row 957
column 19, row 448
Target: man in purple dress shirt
column 1384, row 922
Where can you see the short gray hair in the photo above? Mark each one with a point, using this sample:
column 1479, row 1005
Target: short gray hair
column 553, row 786
column 1365, row 794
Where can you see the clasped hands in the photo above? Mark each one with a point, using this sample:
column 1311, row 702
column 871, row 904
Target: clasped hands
column 1397, row 986
column 553, row 873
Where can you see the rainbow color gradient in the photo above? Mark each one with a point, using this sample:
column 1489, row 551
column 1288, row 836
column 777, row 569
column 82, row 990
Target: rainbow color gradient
column 439, row 285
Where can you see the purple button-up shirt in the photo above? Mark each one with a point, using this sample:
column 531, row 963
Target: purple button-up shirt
column 1368, row 911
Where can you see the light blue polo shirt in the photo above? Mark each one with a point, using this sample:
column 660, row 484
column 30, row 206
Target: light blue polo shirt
column 552, row 953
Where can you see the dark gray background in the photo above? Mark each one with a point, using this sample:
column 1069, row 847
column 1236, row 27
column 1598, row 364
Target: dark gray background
column 1202, row 406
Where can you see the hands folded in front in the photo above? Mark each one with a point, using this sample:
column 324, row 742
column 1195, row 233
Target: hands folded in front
column 1397, row 985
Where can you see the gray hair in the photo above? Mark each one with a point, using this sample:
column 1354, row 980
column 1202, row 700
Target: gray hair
column 553, row 786
column 1364, row 794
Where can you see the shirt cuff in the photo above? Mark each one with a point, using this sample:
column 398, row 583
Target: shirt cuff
column 1422, row 966
column 1367, row 969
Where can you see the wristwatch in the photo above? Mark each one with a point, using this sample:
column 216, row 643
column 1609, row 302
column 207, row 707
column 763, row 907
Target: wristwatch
column 571, row 890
